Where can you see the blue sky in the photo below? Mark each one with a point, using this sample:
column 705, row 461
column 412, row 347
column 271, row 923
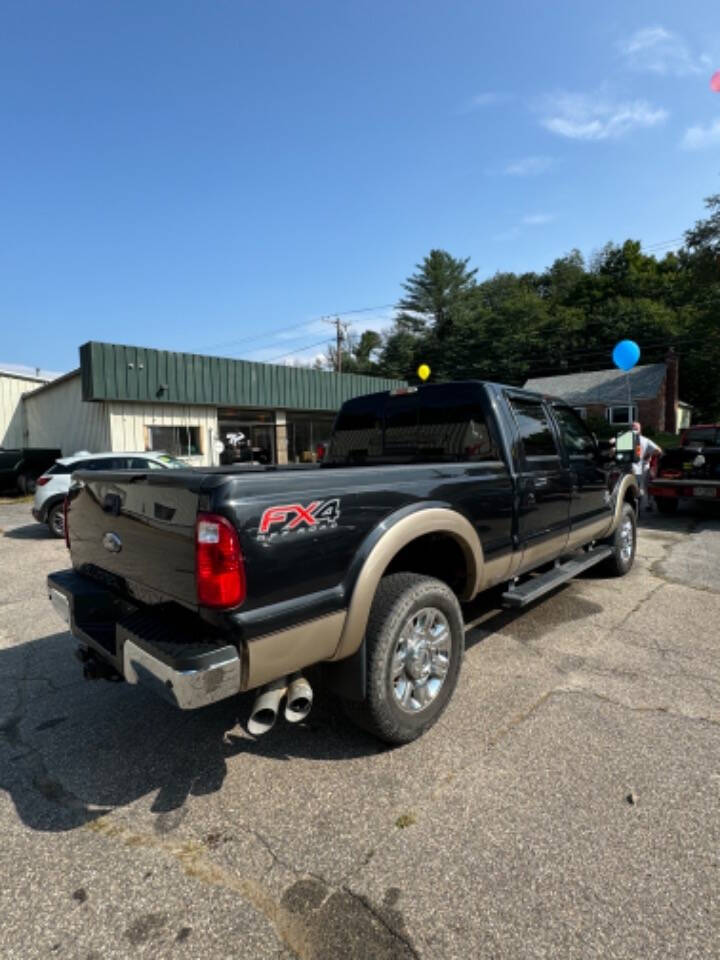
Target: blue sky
column 217, row 176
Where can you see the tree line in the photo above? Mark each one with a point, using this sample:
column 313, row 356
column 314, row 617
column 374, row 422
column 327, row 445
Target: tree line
column 512, row 327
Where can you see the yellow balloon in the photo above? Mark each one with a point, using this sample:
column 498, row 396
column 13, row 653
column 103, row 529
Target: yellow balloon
column 423, row 371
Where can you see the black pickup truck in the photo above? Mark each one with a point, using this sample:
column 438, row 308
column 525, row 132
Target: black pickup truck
column 205, row 583
column 19, row 469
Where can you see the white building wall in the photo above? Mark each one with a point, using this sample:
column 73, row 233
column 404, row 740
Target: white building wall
column 129, row 424
column 58, row 417
column 11, row 409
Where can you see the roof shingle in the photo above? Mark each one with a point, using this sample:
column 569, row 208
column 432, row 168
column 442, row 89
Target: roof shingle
column 603, row 386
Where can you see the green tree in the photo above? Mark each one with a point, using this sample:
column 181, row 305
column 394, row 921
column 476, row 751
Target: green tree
column 434, row 293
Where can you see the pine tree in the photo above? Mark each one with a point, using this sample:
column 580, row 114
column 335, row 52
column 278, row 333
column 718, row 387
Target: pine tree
column 435, row 292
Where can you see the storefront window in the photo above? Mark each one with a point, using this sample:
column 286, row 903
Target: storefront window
column 177, row 441
column 249, row 436
column 304, row 432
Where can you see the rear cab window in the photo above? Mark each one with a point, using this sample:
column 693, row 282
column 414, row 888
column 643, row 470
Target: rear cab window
column 430, row 424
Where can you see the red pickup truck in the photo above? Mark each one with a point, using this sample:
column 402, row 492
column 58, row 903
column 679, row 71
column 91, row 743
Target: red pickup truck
column 691, row 471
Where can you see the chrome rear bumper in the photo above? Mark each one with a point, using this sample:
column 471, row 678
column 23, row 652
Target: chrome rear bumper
column 177, row 662
column 185, row 688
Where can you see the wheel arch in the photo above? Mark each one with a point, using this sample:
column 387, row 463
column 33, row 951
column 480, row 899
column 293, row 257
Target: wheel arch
column 51, row 502
column 394, row 535
column 626, row 491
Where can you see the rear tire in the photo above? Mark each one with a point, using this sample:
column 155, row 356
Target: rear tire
column 667, row 505
column 56, row 521
column 26, row 484
column 623, row 543
column 414, row 641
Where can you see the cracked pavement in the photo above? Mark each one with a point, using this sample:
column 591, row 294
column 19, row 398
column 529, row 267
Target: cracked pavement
column 566, row 805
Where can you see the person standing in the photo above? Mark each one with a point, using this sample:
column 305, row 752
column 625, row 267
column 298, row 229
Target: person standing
column 641, row 469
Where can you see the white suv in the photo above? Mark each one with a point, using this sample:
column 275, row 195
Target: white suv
column 54, row 484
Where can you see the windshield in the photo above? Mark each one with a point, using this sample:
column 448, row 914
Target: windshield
column 701, row 435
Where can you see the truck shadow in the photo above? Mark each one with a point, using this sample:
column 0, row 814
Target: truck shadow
column 72, row 750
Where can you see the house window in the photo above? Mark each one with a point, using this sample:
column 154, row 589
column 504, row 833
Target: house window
column 177, row 441
column 621, row 416
column 581, row 412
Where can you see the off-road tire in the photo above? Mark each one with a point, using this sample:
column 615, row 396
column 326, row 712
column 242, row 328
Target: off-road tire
column 397, row 598
column 55, row 514
column 619, row 563
column 666, row 505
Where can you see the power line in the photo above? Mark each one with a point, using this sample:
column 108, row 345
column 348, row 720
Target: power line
column 295, row 326
column 288, row 353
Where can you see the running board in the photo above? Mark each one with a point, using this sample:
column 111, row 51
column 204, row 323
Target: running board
column 525, row 593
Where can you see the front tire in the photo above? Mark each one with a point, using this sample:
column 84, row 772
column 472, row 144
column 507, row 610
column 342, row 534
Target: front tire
column 623, row 543
column 414, row 641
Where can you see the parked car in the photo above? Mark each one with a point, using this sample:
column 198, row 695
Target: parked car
column 19, row 469
column 212, row 582
column 689, row 472
column 701, row 435
column 52, row 487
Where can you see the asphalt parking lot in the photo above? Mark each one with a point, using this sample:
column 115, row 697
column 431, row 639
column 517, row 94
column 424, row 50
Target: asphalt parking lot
column 566, row 805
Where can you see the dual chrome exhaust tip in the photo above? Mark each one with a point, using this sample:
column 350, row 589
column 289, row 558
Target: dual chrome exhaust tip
column 298, row 696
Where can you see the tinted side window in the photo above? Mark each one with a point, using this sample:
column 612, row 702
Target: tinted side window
column 103, row 463
column 575, row 435
column 61, row 468
column 536, row 433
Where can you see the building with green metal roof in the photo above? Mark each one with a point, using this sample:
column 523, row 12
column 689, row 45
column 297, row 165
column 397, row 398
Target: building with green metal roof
column 206, row 409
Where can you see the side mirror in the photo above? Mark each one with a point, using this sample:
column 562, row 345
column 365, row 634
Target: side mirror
column 627, row 445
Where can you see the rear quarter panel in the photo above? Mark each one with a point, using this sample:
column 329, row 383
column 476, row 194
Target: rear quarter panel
column 283, row 565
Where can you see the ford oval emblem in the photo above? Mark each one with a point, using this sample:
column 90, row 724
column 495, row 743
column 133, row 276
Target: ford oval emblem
column 112, row 542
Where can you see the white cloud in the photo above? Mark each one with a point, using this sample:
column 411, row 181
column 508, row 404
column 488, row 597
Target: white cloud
column 529, row 166
column 537, row 219
column 657, row 50
column 487, row 99
column 582, row 117
column 316, row 331
column 529, row 220
column 697, row 138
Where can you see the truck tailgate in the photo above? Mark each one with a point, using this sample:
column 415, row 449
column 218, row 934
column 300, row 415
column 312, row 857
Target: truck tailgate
column 137, row 532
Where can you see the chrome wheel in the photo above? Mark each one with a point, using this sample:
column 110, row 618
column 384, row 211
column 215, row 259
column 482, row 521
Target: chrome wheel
column 627, row 540
column 421, row 659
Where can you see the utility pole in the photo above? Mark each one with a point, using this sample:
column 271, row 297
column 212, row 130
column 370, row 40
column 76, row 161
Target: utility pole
column 341, row 330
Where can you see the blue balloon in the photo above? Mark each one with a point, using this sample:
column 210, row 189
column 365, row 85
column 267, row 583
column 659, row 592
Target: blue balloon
column 626, row 354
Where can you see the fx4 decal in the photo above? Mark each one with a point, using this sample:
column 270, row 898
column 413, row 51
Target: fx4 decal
column 294, row 517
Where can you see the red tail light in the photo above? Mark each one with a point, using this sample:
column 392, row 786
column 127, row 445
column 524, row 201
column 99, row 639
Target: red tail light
column 41, row 481
column 66, row 525
column 219, row 567
column 671, row 474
